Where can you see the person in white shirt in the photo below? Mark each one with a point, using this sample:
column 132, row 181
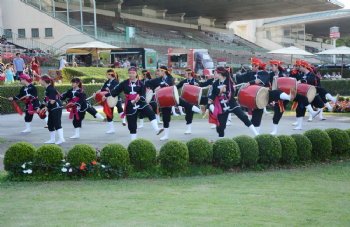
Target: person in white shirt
column 327, row 76
column 63, row 63
column 126, row 64
column 338, row 76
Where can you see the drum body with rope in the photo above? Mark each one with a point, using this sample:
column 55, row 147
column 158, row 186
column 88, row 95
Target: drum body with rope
column 167, row 97
column 308, row 90
column 42, row 113
column 191, row 94
column 284, row 84
column 253, row 96
column 149, row 95
column 112, row 102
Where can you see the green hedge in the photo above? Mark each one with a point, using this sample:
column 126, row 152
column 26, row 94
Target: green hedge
column 270, row 149
column 142, row 154
column 80, row 153
column 226, row 153
column 249, row 149
column 115, row 155
column 17, row 154
column 321, row 143
column 340, row 140
column 289, row 148
column 337, row 86
column 48, row 154
column 304, row 147
column 174, row 156
column 200, row 151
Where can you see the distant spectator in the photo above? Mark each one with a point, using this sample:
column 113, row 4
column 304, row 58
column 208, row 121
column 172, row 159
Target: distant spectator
column 9, row 75
column 19, row 65
column 48, row 53
column 2, row 68
column 3, row 40
column 0, row 58
column 133, row 64
column 126, row 64
column 170, row 69
column 2, row 76
column 75, row 65
column 116, row 64
column 319, row 75
column 100, row 62
column 35, row 69
column 338, row 76
column 327, row 76
column 27, row 51
column 63, row 63
column 333, row 76
column 139, row 64
column 13, row 70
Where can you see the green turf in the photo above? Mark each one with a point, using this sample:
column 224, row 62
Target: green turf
column 314, row 196
column 2, row 140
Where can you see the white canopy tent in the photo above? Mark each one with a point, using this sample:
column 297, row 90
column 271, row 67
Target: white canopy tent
column 291, row 51
column 343, row 50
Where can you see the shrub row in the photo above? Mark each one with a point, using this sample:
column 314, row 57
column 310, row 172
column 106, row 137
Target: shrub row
column 175, row 156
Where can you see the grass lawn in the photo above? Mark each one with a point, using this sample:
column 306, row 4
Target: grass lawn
column 313, row 196
column 2, row 140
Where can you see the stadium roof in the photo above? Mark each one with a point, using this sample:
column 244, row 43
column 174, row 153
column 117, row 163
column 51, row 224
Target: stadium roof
column 318, row 24
column 235, row 10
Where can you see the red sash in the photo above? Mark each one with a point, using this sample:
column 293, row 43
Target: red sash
column 127, row 98
column 73, row 110
column 30, row 106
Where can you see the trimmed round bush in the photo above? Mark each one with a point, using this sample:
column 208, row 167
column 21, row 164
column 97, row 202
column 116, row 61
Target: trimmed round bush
column 115, row 155
column 340, row 140
column 289, row 148
column 304, row 147
column 17, row 154
column 321, row 143
column 226, row 153
column 347, row 131
column 80, row 153
column 48, row 154
column 270, row 149
column 200, row 151
column 174, row 155
column 142, row 153
column 249, row 149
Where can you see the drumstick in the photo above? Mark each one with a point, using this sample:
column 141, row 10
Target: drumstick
column 4, row 98
column 136, row 99
column 90, row 98
column 222, row 89
column 96, row 103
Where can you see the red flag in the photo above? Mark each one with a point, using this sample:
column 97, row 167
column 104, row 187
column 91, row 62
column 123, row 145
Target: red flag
column 107, row 110
column 17, row 108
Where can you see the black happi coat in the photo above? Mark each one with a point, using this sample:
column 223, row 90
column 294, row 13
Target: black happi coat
column 31, row 92
column 82, row 104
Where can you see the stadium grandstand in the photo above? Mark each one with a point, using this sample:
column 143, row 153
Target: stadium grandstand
column 55, row 25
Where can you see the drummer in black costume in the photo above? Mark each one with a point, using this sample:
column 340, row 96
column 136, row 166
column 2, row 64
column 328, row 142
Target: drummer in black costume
column 310, row 78
column 135, row 102
column 303, row 103
column 190, row 79
column 146, row 75
column 53, row 105
column 77, row 98
column 224, row 102
column 32, row 103
column 165, row 79
column 110, row 84
column 204, row 99
column 260, row 77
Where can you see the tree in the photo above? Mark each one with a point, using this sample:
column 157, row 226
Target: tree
column 343, row 42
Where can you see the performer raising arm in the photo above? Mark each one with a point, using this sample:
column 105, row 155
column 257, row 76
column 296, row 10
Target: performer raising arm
column 225, row 103
column 30, row 95
column 134, row 91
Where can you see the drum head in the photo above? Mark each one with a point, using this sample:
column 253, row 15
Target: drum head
column 262, row 98
column 182, row 90
column 149, row 96
column 112, row 102
column 275, row 83
column 311, row 93
column 176, row 95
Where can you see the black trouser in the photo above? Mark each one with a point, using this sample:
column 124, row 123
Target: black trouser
column 91, row 110
column 166, row 112
column 204, row 100
column 28, row 117
column 188, row 109
column 317, row 102
column 300, row 110
column 154, row 108
column 322, row 93
column 274, row 95
column 54, row 121
column 132, row 119
column 120, row 110
column 76, row 122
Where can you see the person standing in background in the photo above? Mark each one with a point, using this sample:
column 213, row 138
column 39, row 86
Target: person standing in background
column 63, row 63
column 9, row 75
column 19, row 65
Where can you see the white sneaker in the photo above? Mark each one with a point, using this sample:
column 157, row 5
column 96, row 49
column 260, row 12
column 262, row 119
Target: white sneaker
column 175, row 114
column 110, row 131
column 295, row 123
column 50, row 142
column 166, row 134
column 26, row 131
column 213, row 127
column 75, row 137
column 228, row 123
column 61, row 138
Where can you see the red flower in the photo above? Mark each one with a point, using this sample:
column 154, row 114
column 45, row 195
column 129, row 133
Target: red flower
column 82, row 166
column 94, row 162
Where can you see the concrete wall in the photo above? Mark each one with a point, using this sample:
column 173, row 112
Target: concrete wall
column 20, row 16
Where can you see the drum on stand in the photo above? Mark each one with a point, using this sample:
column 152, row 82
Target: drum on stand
column 191, row 94
column 167, row 97
column 308, row 90
column 253, row 96
column 112, row 102
column 149, row 95
column 284, row 84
